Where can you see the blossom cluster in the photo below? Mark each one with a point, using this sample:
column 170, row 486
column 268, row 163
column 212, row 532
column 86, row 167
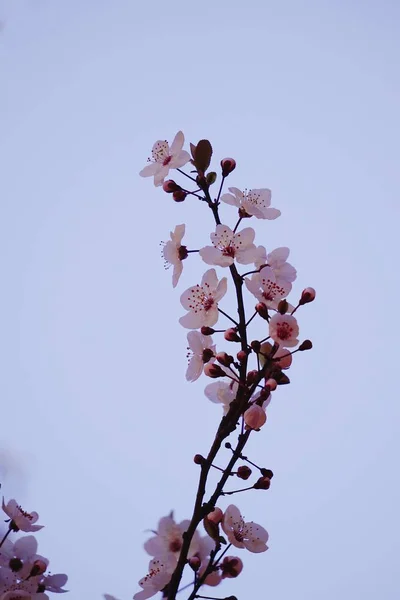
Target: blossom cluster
column 23, row 572
column 246, row 378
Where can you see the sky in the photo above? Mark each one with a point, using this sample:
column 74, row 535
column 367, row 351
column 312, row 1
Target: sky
column 99, row 426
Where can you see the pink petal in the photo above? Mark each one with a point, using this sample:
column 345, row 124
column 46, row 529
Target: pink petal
column 230, row 199
column 150, row 170
column 210, row 255
column 180, row 160
column 195, row 368
column 178, row 268
column 272, row 213
column 177, row 144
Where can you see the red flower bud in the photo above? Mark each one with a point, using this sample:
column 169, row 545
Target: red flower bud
column 252, row 377
column 262, row 484
column 241, row 355
column 195, row 563
column 271, row 383
column 179, row 195
column 262, row 310
column 198, row 459
column 216, row 515
column 244, row 472
column 283, row 306
column 306, row 345
column 308, row 295
column 256, row 345
column 207, row 330
column 254, row 417
column 170, row 186
column 227, row 165
column 224, row 359
column 231, row 335
column 213, row 370
column 231, row 566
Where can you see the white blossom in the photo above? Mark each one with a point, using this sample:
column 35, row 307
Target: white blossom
column 240, row 534
column 164, row 158
column 201, row 350
column 19, row 518
column 254, row 202
column 201, row 301
column 229, row 246
column 159, row 575
column 174, row 253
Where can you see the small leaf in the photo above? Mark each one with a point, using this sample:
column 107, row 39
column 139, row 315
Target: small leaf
column 202, row 155
column 211, row 177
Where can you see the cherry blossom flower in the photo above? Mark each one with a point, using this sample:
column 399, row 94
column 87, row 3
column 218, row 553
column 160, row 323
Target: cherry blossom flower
column 265, row 287
column 201, row 350
column 254, row 417
column 174, row 253
column 159, row 575
column 277, row 260
column 20, row 556
column 284, row 330
column 222, row 392
column 201, row 301
column 20, row 520
column 228, row 246
column 244, row 535
column 168, row 539
column 252, row 202
column 164, row 158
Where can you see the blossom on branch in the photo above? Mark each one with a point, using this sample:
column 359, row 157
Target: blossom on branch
column 168, row 539
column 252, row 202
column 159, row 575
column 240, row 534
column 284, row 330
column 228, row 246
column 174, row 253
column 164, row 158
column 222, row 392
column 201, row 352
column 20, row 520
column 201, row 301
column 277, row 260
column 265, row 287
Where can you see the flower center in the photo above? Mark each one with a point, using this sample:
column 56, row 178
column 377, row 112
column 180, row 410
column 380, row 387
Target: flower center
column 284, row 331
column 175, row 545
column 229, row 251
column 208, row 303
column 167, row 160
column 25, row 514
column 182, row 252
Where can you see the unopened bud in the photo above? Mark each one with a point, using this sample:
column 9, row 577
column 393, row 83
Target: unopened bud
column 306, row 345
column 198, row 459
column 215, row 515
column 170, row 186
column 244, row 472
column 241, row 355
column 231, row 567
column 227, row 165
column 213, row 370
column 201, row 182
column 212, row 528
column 254, row 417
column 283, row 306
column 308, row 295
column 195, row 563
column 267, row 473
column 224, row 359
column 256, row 345
column 38, row 568
column 211, row 177
column 271, row 384
column 262, row 310
column 207, row 355
column 179, row 195
column 207, row 330
column 262, row 484
column 231, row 335
column 252, row 377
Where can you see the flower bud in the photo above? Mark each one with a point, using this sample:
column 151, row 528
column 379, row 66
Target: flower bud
column 283, row 306
column 241, row 355
column 195, row 563
column 213, row 370
column 170, row 186
column 284, row 356
column 179, row 195
column 263, row 483
column 262, row 310
column 227, row 165
column 267, row 473
column 211, row 177
column 231, row 335
column 254, row 417
column 308, row 295
column 213, row 579
column 244, row 472
column 231, row 566
column 256, row 345
column 198, row 459
column 224, row 359
column 306, row 345
column 38, row 568
column 252, row 377
column 207, row 330
column 216, row 515
column 207, row 355
column 271, row 383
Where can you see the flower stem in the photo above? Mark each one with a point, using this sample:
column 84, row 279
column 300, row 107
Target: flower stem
column 5, row 537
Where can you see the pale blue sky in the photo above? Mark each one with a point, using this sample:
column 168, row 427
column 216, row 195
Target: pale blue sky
column 96, row 414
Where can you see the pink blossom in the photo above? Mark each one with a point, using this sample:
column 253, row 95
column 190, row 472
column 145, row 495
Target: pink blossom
column 201, row 301
column 277, row 260
column 159, row 575
column 253, row 202
column 244, row 535
column 174, row 253
column 254, row 417
column 284, row 330
column 202, row 350
column 20, row 520
column 228, row 246
column 265, row 287
column 165, row 158
column 168, row 539
column 222, row 392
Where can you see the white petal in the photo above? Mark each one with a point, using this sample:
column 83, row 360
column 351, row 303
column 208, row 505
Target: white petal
column 210, row 255
column 278, row 256
column 247, row 256
column 150, row 170
column 161, row 175
column 244, row 238
column 177, row 144
column 237, row 193
column 181, row 159
column 222, row 236
column 178, row 268
column 193, row 320
column 195, row 341
column 188, row 296
column 195, row 368
column 210, row 279
column 230, row 199
column 178, row 234
column 221, row 289
column 272, row 213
